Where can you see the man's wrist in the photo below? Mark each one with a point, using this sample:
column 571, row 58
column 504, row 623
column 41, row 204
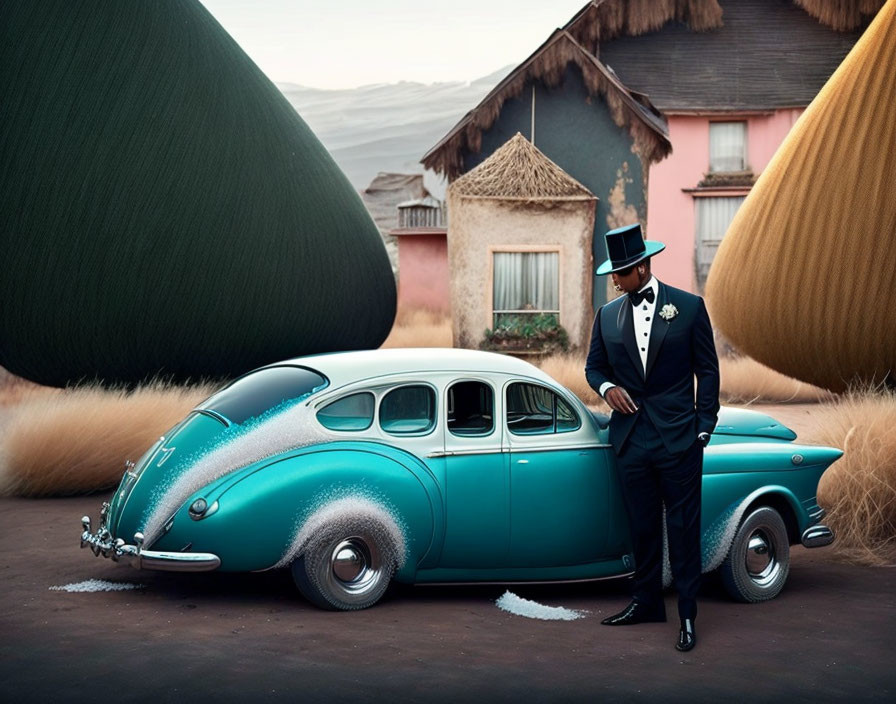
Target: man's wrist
column 703, row 438
column 606, row 386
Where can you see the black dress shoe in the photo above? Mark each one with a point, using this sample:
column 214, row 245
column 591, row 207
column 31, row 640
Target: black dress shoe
column 687, row 636
column 636, row 612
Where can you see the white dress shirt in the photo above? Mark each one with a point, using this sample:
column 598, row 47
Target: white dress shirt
column 642, row 319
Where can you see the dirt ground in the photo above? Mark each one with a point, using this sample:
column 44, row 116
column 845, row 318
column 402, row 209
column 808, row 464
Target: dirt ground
column 830, row 635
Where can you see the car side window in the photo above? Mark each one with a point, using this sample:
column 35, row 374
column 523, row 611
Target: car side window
column 354, row 412
column 471, row 407
column 536, row 410
column 408, row 409
column 567, row 420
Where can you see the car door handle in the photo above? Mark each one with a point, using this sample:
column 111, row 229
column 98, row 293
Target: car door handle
column 522, row 461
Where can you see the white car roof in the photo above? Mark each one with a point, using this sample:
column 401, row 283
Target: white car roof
column 345, row 367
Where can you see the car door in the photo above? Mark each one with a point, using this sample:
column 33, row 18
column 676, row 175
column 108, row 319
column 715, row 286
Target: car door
column 475, row 477
column 559, row 479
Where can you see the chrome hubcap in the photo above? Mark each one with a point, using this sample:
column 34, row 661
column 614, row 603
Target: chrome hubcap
column 761, row 561
column 355, row 566
column 348, row 562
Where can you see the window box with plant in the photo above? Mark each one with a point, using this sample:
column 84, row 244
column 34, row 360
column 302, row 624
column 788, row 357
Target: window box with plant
column 540, row 333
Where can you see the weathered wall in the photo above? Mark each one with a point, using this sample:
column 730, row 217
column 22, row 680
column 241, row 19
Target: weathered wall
column 478, row 224
column 423, row 280
column 576, row 132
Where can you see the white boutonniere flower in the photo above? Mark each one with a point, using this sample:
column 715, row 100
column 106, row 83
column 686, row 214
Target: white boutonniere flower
column 668, row 312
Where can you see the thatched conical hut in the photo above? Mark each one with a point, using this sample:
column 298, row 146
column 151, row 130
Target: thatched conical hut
column 519, row 244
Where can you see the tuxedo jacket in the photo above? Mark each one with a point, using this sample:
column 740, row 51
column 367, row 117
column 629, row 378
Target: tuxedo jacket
column 680, row 349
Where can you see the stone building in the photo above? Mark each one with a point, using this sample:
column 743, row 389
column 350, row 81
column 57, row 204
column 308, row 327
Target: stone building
column 519, row 245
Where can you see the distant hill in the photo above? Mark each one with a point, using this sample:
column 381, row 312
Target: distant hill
column 387, row 126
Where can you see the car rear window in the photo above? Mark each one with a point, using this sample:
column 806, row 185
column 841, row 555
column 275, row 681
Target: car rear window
column 353, row 412
column 258, row 392
column 408, row 409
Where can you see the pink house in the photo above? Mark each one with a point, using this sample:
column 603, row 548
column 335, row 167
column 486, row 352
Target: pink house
column 423, row 280
column 689, row 210
column 730, row 93
column 725, row 79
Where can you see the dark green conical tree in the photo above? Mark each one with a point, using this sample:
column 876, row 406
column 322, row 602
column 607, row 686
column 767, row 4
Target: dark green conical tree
column 164, row 209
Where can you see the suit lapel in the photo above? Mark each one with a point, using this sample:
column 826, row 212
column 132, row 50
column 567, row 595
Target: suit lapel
column 626, row 324
column 658, row 327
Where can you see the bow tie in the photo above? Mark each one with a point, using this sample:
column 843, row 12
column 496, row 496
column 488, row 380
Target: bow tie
column 636, row 297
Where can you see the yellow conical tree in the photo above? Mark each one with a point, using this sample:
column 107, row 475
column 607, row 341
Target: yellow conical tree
column 805, row 278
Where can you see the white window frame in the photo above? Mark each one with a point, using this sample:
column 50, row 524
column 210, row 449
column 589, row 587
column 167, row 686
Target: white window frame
column 529, row 249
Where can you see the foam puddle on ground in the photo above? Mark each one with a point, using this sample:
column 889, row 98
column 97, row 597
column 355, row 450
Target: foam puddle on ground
column 96, row 585
column 514, row 604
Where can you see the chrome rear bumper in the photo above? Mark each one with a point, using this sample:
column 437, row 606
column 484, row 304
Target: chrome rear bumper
column 816, row 536
column 101, row 543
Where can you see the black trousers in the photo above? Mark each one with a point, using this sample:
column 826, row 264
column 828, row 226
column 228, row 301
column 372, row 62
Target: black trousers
column 650, row 477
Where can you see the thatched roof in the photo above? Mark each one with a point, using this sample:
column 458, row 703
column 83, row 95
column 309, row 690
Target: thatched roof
column 518, row 170
column 579, row 42
column 548, row 64
column 768, row 55
column 602, row 20
column 842, row 15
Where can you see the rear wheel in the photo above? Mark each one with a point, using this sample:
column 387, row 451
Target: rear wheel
column 759, row 558
column 346, row 566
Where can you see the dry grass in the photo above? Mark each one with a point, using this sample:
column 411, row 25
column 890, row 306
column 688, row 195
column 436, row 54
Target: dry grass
column 569, row 370
column 74, row 441
column 418, row 327
column 745, row 380
column 859, row 490
column 15, row 390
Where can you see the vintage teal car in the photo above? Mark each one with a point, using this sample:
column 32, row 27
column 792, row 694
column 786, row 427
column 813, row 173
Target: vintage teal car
column 423, row 465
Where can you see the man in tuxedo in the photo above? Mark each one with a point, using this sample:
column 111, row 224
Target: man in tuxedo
column 647, row 347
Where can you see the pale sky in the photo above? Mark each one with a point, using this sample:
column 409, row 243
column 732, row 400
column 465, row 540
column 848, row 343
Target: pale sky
column 349, row 43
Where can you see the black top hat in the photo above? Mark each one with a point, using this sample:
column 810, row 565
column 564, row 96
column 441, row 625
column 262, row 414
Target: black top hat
column 626, row 247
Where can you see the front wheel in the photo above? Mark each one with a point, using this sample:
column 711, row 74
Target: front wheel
column 759, row 558
column 346, row 566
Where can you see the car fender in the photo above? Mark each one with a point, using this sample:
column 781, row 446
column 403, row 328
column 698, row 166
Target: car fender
column 717, row 538
column 261, row 510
